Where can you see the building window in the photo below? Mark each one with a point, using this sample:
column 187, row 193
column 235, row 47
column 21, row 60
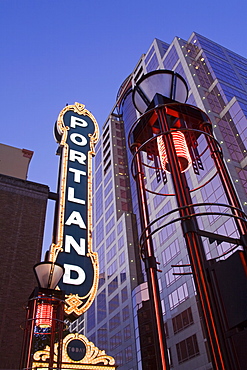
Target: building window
column 92, row 338
column 112, row 268
column 187, row 349
column 114, row 322
column 170, row 277
column 108, row 200
column 109, row 225
column 153, row 64
column 113, row 303
column 119, row 134
column 170, row 357
column 105, row 142
column 106, row 131
column 124, row 294
column 98, row 177
column 106, row 168
column 128, row 354
column 110, row 239
column 150, row 53
column 163, row 306
column 127, row 332
column 121, row 258
column 99, row 235
column 102, row 337
column 178, row 296
column 98, row 158
column 121, row 242
column 108, row 189
column 171, row 58
column 123, row 182
column 119, row 358
column 170, row 252
column 122, row 171
column 165, row 233
column 111, row 254
column 107, row 157
column 109, row 212
column 154, row 184
column 101, row 256
column 123, row 275
column 165, row 209
column 73, row 327
column 106, row 149
column 101, row 304
column 125, row 313
column 113, row 286
column 120, row 227
column 116, row 340
column 166, row 329
column 108, row 177
column 160, row 285
column 99, row 203
column 182, row 321
column 125, row 206
column 81, row 327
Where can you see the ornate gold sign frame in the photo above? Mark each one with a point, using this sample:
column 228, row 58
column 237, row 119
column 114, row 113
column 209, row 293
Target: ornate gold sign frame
column 94, row 358
column 75, row 304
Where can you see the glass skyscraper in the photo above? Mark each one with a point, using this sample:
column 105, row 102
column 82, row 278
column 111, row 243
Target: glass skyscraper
column 119, row 319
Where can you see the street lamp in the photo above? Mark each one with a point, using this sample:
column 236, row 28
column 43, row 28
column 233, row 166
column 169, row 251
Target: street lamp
column 159, row 84
column 168, row 130
column 48, row 274
column 45, row 315
column 150, row 91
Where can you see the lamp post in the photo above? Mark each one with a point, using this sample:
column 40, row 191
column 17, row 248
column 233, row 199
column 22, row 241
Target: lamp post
column 144, row 92
column 168, row 129
column 45, row 314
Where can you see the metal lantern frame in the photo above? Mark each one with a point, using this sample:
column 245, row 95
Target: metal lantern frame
column 51, row 321
column 161, row 120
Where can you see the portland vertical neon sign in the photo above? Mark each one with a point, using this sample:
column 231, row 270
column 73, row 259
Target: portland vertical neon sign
column 76, row 131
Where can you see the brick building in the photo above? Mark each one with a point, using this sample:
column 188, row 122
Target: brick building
column 23, row 207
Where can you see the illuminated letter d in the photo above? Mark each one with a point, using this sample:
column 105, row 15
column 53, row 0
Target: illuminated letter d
column 67, row 279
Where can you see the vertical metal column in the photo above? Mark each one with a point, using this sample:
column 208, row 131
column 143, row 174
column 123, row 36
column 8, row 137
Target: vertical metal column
column 151, row 270
column 196, row 253
column 27, row 345
column 52, row 336
column 57, row 327
column 60, row 324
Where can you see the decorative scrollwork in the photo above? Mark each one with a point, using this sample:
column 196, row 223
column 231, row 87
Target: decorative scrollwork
column 93, row 355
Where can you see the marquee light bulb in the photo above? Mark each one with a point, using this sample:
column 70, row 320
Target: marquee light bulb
column 181, row 149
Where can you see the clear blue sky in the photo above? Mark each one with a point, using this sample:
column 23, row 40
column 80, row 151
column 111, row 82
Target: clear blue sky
column 55, row 52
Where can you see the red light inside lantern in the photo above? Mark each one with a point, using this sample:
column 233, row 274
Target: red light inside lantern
column 181, row 148
column 44, row 315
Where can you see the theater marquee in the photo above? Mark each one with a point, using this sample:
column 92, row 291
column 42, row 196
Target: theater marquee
column 78, row 354
column 76, row 131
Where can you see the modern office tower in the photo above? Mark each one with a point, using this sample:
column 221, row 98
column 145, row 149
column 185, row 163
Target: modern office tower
column 22, row 216
column 119, row 319
column 114, row 239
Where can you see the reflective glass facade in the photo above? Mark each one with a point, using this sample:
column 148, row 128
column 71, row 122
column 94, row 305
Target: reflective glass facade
column 118, row 319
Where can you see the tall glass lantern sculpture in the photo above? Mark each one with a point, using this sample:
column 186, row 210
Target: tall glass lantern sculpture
column 166, row 139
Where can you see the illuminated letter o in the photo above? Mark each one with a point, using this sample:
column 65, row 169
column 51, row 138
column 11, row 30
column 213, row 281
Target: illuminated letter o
column 82, row 140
